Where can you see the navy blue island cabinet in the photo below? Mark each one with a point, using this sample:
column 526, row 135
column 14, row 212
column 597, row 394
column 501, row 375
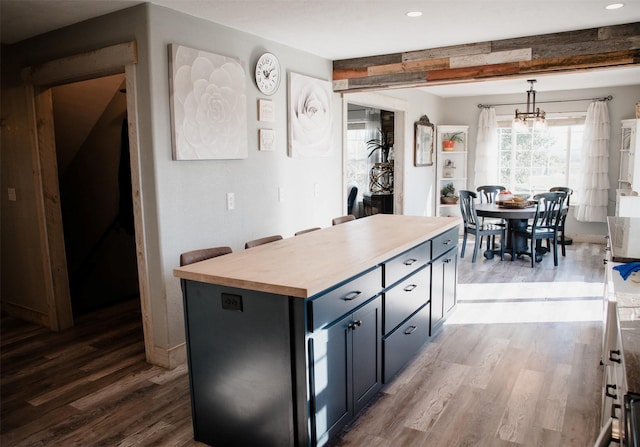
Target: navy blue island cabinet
column 287, row 342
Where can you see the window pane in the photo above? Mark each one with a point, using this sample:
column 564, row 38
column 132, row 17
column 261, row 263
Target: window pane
column 534, row 161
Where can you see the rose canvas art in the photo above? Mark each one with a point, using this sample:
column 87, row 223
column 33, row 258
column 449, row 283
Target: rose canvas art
column 208, row 105
column 310, row 111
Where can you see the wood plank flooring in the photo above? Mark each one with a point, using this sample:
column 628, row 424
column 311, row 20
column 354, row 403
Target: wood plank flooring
column 516, row 365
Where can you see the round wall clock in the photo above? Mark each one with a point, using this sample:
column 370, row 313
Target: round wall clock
column 268, row 73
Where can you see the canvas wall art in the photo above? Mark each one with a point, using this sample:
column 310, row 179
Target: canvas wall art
column 310, row 113
column 208, row 105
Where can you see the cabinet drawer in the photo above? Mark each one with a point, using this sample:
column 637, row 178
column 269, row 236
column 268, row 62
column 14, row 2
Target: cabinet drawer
column 406, row 297
column 444, row 242
column 406, row 263
column 341, row 300
column 402, row 344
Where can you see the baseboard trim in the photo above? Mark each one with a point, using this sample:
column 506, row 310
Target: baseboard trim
column 168, row 358
column 25, row 314
column 591, row 238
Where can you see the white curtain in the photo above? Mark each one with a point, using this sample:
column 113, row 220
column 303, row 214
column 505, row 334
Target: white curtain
column 486, row 167
column 594, row 192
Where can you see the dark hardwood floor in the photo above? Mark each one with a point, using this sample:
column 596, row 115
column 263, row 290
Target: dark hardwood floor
column 516, row 365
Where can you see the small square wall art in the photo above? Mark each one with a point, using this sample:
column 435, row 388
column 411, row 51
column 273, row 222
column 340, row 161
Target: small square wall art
column 310, row 115
column 208, row 105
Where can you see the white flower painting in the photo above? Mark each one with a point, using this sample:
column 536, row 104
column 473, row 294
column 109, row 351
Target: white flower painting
column 208, row 105
column 310, row 114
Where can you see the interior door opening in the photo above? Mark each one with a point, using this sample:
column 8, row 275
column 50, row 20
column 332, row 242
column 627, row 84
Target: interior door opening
column 94, row 174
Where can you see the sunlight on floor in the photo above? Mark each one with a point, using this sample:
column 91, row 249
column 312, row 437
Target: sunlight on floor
column 533, row 302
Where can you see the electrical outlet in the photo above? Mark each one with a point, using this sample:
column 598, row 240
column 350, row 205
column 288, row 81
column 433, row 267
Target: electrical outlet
column 11, row 192
column 281, row 194
column 316, row 190
column 232, row 302
column 231, row 201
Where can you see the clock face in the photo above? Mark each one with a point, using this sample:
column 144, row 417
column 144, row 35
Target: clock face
column 268, row 74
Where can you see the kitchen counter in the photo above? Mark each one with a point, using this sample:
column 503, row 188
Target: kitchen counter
column 624, row 233
column 625, row 238
column 305, row 265
column 287, row 342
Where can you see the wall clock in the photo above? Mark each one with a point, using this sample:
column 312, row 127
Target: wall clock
column 268, row 73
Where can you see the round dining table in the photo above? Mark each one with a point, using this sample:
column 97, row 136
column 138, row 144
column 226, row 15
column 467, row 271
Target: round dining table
column 517, row 218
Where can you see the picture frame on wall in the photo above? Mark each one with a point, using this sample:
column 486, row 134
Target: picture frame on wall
column 208, row 100
column 424, row 137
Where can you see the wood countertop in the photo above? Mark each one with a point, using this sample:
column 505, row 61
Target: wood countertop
column 302, row 266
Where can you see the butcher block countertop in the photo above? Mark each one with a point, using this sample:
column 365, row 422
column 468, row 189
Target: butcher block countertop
column 302, row 266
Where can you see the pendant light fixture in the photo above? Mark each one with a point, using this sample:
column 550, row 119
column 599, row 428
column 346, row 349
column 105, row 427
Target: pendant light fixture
column 533, row 113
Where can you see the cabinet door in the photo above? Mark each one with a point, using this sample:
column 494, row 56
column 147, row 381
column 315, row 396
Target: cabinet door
column 346, row 370
column 437, row 288
column 443, row 288
column 366, row 353
column 331, row 351
column 450, row 261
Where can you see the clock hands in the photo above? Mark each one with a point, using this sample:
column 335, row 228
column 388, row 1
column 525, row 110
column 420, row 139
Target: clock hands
column 267, row 73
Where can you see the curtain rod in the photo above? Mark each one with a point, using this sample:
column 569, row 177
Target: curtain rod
column 604, row 98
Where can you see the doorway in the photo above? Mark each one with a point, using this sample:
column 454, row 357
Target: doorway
column 396, row 112
column 39, row 80
column 369, row 129
column 92, row 152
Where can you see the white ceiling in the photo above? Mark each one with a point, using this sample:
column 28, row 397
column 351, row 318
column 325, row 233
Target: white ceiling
column 342, row 29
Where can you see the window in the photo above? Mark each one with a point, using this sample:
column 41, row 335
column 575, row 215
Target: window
column 535, row 160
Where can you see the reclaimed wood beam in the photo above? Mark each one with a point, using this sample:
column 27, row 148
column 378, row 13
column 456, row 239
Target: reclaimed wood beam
column 608, row 46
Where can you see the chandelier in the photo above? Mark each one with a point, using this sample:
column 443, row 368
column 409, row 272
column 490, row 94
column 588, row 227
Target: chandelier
column 533, row 113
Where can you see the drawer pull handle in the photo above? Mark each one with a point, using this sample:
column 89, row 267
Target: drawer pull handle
column 410, row 287
column 609, row 394
column 352, row 296
column 354, row 324
column 409, row 261
column 447, row 242
column 410, row 330
column 614, row 407
column 612, row 353
column 448, row 260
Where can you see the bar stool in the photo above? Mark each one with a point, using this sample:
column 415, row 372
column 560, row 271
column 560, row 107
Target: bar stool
column 190, row 257
column 343, row 219
column 262, row 241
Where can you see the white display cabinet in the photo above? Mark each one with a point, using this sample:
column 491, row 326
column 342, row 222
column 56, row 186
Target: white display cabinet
column 629, row 177
column 451, row 165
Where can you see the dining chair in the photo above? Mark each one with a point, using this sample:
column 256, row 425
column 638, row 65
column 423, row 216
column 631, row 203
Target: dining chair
column 343, row 219
column 192, row 256
column 308, row 230
column 489, row 193
column 475, row 226
column 262, row 241
column 565, row 210
column 545, row 224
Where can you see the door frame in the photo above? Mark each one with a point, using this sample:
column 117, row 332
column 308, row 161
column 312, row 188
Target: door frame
column 38, row 80
column 401, row 134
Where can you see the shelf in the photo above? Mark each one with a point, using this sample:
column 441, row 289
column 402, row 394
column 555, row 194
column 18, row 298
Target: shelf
column 458, row 157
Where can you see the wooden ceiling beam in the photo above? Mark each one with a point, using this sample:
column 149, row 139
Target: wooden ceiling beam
column 608, row 46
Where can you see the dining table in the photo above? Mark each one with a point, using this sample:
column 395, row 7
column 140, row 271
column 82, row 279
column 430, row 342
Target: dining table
column 517, row 219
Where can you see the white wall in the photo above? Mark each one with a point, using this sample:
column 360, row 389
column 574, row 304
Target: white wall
column 465, row 111
column 183, row 201
column 191, row 194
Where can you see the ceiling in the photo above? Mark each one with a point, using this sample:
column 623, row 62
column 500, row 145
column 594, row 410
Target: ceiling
column 344, row 29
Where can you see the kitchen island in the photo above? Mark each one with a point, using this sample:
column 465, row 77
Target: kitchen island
column 621, row 335
column 288, row 341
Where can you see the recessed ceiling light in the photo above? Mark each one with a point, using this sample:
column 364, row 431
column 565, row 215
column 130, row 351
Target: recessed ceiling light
column 614, row 6
column 414, row 13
